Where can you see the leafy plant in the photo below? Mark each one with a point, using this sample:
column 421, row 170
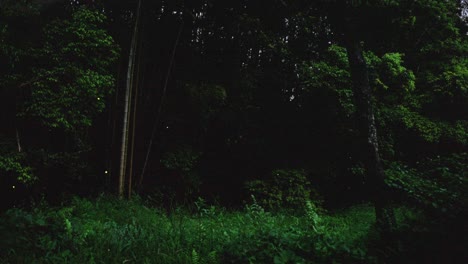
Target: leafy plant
column 182, row 158
column 14, row 166
column 85, row 231
column 435, row 183
column 285, row 189
column 70, row 90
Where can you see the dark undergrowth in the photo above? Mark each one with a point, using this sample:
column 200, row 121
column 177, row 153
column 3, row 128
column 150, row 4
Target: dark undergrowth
column 110, row 230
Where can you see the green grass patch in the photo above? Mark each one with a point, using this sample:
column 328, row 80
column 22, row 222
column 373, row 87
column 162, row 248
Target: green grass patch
column 110, row 230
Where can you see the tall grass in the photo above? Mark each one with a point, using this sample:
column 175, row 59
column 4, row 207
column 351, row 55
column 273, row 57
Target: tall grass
column 109, row 230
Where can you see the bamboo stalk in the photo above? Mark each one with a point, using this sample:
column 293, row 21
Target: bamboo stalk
column 128, row 92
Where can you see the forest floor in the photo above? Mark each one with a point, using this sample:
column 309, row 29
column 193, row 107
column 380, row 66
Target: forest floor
column 110, row 230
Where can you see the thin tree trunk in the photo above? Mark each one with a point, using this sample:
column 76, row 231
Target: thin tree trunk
column 158, row 114
column 126, row 114
column 134, row 123
column 18, row 140
column 363, row 98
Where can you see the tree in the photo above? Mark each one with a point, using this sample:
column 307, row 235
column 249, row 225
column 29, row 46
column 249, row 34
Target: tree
column 366, row 118
column 57, row 79
column 127, row 114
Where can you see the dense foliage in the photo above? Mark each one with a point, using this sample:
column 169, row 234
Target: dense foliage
column 291, row 109
column 59, row 74
column 101, row 231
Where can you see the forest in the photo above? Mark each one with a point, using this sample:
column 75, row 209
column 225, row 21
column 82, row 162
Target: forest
column 233, row 131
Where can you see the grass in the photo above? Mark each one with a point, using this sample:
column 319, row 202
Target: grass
column 109, row 230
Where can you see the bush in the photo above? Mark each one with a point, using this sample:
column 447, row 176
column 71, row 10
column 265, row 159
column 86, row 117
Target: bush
column 285, row 189
column 181, row 163
column 436, row 184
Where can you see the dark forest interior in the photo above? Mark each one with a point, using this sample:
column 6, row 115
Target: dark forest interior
column 233, row 131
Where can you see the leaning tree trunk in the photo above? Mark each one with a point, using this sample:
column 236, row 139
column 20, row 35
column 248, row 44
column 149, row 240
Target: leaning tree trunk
column 127, row 104
column 365, row 112
column 161, row 103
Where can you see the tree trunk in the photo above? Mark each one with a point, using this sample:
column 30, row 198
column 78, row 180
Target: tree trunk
column 134, row 120
column 128, row 95
column 161, row 103
column 365, row 114
column 18, row 141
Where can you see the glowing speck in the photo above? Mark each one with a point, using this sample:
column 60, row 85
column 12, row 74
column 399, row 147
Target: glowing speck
column 106, row 172
column 13, row 187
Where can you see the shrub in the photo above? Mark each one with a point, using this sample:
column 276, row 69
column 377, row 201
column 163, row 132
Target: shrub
column 436, row 184
column 285, row 189
column 181, row 163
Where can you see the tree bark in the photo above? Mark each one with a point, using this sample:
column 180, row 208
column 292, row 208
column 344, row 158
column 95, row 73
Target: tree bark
column 365, row 113
column 127, row 104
